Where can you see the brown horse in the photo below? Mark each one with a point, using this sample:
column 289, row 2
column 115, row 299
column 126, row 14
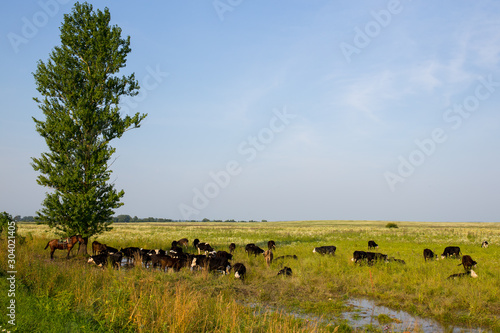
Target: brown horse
column 67, row 243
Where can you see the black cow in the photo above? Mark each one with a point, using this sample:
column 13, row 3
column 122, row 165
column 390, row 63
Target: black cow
column 175, row 251
column 428, row 254
column 470, row 273
column 111, row 250
column 232, row 247
column 99, row 259
column 484, row 244
column 467, row 262
column 373, row 256
column 285, row 271
column 253, row 249
column 358, row 255
column 196, row 242
column 212, row 264
column 372, row 245
column 205, row 247
column 224, row 254
column 325, row 249
column 102, row 259
column 271, row 245
column 240, row 271
column 451, row 251
column 129, row 252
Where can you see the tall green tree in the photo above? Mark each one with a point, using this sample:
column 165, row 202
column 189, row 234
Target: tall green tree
column 80, row 101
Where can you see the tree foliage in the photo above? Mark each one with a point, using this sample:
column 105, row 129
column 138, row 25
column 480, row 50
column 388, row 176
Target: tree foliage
column 5, row 219
column 81, row 94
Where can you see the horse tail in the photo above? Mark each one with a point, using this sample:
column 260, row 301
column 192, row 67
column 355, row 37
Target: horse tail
column 46, row 246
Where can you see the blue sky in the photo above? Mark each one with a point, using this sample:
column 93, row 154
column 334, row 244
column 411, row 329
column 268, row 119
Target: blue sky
column 283, row 110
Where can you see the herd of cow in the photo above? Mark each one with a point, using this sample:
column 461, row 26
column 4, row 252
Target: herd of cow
column 211, row 260
column 451, row 251
column 176, row 258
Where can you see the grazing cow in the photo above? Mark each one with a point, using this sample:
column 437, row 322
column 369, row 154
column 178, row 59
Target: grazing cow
column 224, row 254
column 358, row 255
column 325, row 249
column 291, row 256
column 253, row 249
column 271, row 245
column 484, row 244
column 232, row 247
column 285, row 271
column 269, row 257
column 248, row 246
column 212, row 264
column 239, row 271
column 451, row 251
column 373, row 256
column 97, row 247
column 196, row 242
column 372, row 245
column 428, row 254
column 183, row 242
column 467, row 262
column 205, row 247
column 470, row 273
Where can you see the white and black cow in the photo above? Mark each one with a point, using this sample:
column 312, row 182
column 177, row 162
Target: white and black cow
column 485, row 244
column 205, row 247
column 102, row 259
column 212, row 264
column 325, row 249
column 240, row 271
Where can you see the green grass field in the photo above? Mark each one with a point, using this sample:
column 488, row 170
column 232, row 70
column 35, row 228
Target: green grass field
column 74, row 296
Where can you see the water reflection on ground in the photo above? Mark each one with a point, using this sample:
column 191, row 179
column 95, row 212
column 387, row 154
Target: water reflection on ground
column 366, row 312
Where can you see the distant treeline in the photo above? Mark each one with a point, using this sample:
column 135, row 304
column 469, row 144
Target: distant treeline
column 135, row 219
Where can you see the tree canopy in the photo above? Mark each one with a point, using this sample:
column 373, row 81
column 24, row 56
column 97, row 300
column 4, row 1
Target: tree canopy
column 80, row 101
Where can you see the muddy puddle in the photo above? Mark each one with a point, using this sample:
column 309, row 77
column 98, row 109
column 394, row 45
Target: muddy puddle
column 366, row 312
column 363, row 314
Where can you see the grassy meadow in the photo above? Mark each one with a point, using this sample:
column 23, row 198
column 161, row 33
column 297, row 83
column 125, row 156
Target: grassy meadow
column 74, row 296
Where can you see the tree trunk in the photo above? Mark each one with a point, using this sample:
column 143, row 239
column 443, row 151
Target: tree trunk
column 82, row 248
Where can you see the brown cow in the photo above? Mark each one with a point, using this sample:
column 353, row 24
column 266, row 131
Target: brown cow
column 269, row 257
column 97, row 248
column 468, row 263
